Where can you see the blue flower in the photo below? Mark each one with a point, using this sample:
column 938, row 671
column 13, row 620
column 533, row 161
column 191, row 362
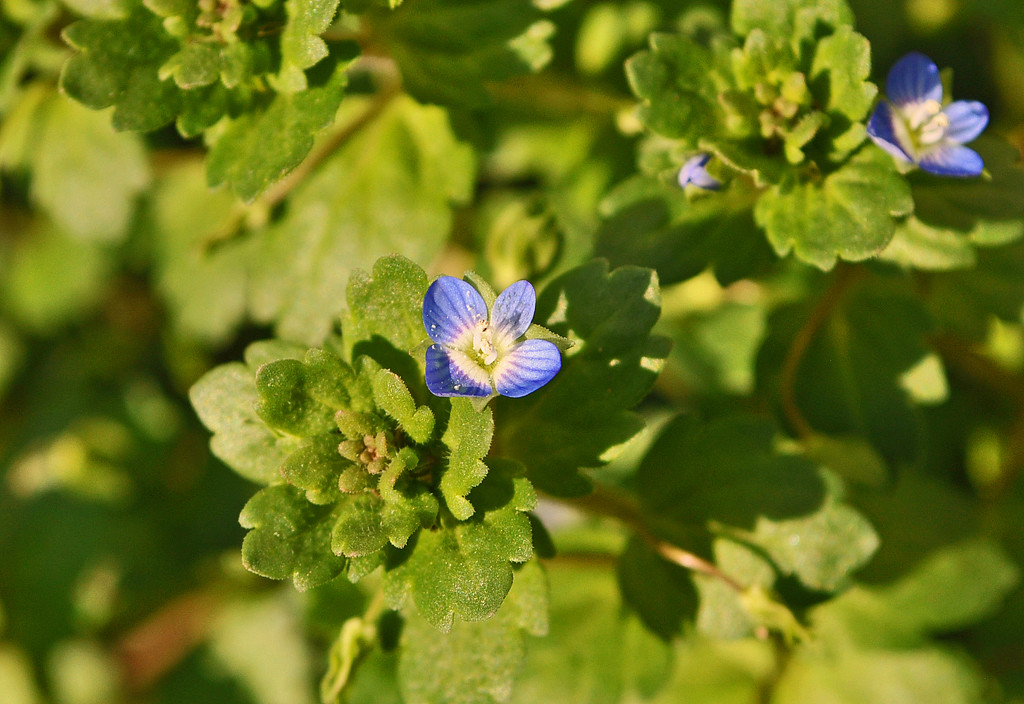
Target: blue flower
column 693, row 172
column 480, row 354
column 915, row 128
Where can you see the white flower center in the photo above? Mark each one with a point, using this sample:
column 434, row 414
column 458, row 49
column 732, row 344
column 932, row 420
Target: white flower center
column 927, row 122
column 483, row 344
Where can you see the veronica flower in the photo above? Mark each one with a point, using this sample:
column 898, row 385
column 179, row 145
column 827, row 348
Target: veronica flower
column 481, row 353
column 693, row 171
column 916, row 128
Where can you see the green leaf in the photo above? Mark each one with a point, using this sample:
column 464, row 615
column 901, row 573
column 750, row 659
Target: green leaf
column 653, row 224
column 662, row 594
column 849, row 380
column 962, row 301
column 224, row 399
column 921, row 246
column 368, row 522
column 474, row 663
column 728, row 477
column 393, row 397
column 953, row 587
column 613, row 657
column 580, row 417
column 315, row 467
column 953, row 217
column 963, row 205
column 118, row 64
column 259, row 147
column 386, row 303
column 50, row 278
column 289, row 538
column 463, row 568
column 448, row 50
column 301, row 45
column 714, row 351
column 201, row 279
column 850, row 214
column 468, row 438
column 843, row 62
column 301, row 398
column 389, row 188
column 85, row 175
column 673, row 80
column 783, row 18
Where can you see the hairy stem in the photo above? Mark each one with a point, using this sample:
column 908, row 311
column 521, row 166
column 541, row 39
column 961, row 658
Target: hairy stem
column 843, row 277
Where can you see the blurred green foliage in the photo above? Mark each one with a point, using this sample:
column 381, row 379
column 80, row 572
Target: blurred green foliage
column 837, row 456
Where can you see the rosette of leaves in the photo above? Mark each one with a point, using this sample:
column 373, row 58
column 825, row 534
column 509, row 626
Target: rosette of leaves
column 362, row 467
column 780, row 102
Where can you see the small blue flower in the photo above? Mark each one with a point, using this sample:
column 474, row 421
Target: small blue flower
column 915, row 128
column 480, row 354
column 693, row 172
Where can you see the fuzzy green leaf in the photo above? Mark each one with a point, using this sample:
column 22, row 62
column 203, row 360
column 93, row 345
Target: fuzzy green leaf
column 468, row 438
column 301, row 45
column 583, row 411
column 118, row 64
column 783, row 18
column 850, row 214
column 474, row 663
column 447, row 50
column 289, row 538
column 386, row 303
column 390, row 188
column 315, row 467
column 393, row 397
column 672, row 79
column 259, row 147
column 463, row 568
column 301, row 398
column 224, row 399
column 842, row 63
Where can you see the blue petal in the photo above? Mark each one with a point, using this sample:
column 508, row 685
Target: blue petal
column 453, row 373
column 526, row 368
column 451, row 309
column 952, row 160
column 967, row 119
column 914, row 79
column 513, row 310
column 882, row 130
column 693, row 172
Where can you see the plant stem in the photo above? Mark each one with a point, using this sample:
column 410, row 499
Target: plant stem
column 389, row 88
column 843, row 277
column 606, row 502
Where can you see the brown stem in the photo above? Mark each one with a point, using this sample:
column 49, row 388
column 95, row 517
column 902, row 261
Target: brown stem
column 606, row 502
column 843, row 277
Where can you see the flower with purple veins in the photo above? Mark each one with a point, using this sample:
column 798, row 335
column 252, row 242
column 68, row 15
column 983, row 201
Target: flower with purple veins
column 917, row 129
column 480, row 353
column 693, row 172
